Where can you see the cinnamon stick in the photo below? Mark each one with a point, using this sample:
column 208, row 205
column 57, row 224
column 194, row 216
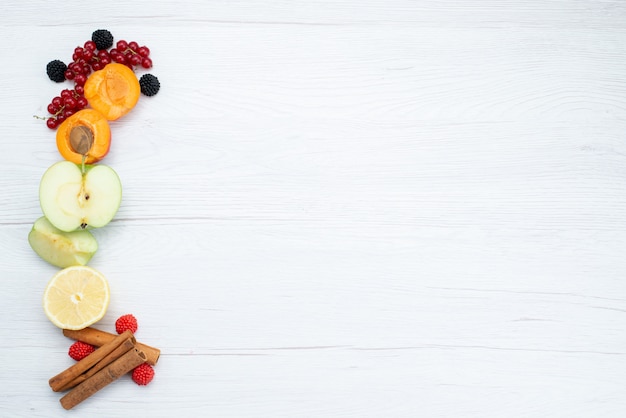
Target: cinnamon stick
column 59, row 381
column 98, row 338
column 125, row 346
column 110, row 373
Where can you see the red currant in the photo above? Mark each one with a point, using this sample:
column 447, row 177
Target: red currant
column 80, row 90
column 134, row 60
column 90, row 45
column 66, row 93
column 76, row 67
column 143, row 51
column 69, row 102
column 119, row 58
column 121, row 45
column 133, row 45
column 98, row 65
column 69, row 74
column 81, row 103
column 88, row 54
column 51, row 123
column 57, row 101
column 146, row 63
column 52, row 109
column 80, row 79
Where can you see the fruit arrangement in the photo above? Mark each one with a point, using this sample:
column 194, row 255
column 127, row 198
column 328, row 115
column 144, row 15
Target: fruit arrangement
column 104, row 78
column 78, row 194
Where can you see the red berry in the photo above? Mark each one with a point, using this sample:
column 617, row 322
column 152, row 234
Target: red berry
column 80, row 79
column 125, row 322
column 52, row 109
column 69, row 102
column 97, row 66
column 146, row 63
column 80, row 90
column 57, row 101
column 90, row 45
column 144, row 51
column 88, row 54
column 134, row 60
column 121, row 45
column 69, row 74
column 119, row 58
column 78, row 51
column 143, row 374
column 133, row 45
column 81, row 103
column 76, row 67
column 51, row 123
column 79, row 350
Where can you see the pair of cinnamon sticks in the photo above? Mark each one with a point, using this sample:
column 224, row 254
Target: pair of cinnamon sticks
column 116, row 356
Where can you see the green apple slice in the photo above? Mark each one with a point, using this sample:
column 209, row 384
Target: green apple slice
column 62, row 249
column 72, row 198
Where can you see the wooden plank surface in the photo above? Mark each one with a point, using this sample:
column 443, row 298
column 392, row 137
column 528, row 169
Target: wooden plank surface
column 340, row 208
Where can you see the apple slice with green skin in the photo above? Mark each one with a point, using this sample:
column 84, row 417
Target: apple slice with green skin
column 62, row 249
column 74, row 196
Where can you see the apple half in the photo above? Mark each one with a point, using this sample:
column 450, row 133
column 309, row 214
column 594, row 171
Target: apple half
column 73, row 197
column 59, row 248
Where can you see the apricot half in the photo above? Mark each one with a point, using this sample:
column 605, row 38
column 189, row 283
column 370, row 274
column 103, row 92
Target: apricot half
column 113, row 91
column 87, row 133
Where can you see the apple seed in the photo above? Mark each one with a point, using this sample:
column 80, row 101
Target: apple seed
column 81, row 139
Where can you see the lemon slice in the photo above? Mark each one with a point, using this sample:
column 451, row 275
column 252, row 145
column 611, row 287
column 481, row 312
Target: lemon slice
column 76, row 297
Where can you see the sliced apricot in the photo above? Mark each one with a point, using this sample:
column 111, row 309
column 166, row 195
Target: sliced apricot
column 113, row 90
column 87, row 133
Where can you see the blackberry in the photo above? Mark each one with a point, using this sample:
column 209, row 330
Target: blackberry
column 102, row 38
column 149, row 84
column 56, row 70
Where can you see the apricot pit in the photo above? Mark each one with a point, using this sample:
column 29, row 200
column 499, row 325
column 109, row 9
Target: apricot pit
column 81, row 139
column 85, row 133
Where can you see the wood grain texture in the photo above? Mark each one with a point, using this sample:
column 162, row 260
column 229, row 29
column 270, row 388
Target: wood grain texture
column 339, row 208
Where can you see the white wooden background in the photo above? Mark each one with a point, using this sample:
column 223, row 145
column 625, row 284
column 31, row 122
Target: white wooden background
column 375, row 208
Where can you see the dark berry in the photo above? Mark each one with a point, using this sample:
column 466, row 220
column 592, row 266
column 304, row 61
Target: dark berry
column 56, row 70
column 149, row 84
column 102, row 38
